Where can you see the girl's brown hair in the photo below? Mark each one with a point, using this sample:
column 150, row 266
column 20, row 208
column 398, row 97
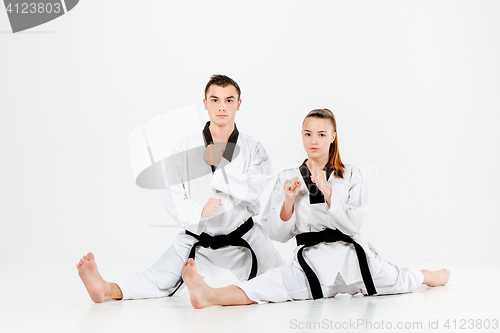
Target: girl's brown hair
column 333, row 156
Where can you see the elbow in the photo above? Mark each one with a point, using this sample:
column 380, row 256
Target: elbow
column 348, row 222
column 277, row 233
column 349, row 228
column 353, row 232
column 277, row 236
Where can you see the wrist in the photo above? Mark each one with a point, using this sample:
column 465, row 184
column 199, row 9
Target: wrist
column 327, row 191
column 288, row 206
column 286, row 210
column 288, row 202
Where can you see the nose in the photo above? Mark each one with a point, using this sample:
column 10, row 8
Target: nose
column 222, row 106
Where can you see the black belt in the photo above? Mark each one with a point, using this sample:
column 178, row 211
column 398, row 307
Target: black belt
column 329, row 236
column 234, row 238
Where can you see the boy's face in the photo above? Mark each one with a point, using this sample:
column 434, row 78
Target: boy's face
column 222, row 104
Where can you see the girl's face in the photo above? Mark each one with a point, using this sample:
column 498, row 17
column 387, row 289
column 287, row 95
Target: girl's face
column 317, row 135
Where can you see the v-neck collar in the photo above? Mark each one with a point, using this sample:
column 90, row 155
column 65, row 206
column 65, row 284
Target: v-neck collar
column 315, row 195
column 230, row 146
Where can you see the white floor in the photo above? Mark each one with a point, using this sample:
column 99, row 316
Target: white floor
column 40, row 296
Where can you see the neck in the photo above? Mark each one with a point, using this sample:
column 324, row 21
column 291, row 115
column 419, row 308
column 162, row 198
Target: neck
column 317, row 162
column 220, row 134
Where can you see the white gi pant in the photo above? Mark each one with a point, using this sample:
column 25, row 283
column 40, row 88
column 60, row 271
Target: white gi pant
column 162, row 277
column 289, row 283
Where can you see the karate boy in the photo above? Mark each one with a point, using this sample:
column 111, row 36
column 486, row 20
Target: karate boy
column 213, row 183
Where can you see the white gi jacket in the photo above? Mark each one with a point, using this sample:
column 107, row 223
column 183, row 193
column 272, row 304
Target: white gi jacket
column 191, row 183
column 238, row 184
column 349, row 207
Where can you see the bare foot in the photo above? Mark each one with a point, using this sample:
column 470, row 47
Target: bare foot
column 199, row 290
column 436, row 278
column 87, row 269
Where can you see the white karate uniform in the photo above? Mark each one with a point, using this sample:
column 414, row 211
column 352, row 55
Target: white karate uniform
column 190, row 183
column 335, row 264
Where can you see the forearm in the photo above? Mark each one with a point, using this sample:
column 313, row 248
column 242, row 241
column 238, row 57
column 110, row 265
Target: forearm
column 347, row 218
column 287, row 210
column 278, row 229
column 185, row 211
column 244, row 188
column 328, row 196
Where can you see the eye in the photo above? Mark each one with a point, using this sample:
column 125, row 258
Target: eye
column 214, row 100
column 322, row 135
column 229, row 100
column 307, row 134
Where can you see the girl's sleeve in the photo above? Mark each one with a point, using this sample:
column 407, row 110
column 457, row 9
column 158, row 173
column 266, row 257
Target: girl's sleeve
column 276, row 228
column 348, row 216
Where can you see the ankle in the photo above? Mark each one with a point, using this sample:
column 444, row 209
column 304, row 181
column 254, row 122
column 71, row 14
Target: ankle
column 211, row 296
column 112, row 291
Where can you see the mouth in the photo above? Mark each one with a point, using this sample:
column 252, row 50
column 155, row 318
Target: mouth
column 221, row 116
column 314, row 149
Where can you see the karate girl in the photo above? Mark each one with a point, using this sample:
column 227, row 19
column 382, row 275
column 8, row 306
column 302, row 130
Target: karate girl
column 322, row 203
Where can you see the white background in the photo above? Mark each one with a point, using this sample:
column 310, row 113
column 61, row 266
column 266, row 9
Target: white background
column 414, row 86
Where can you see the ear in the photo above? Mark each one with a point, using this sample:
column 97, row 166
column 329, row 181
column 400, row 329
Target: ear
column 334, row 136
column 238, row 106
column 205, row 103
